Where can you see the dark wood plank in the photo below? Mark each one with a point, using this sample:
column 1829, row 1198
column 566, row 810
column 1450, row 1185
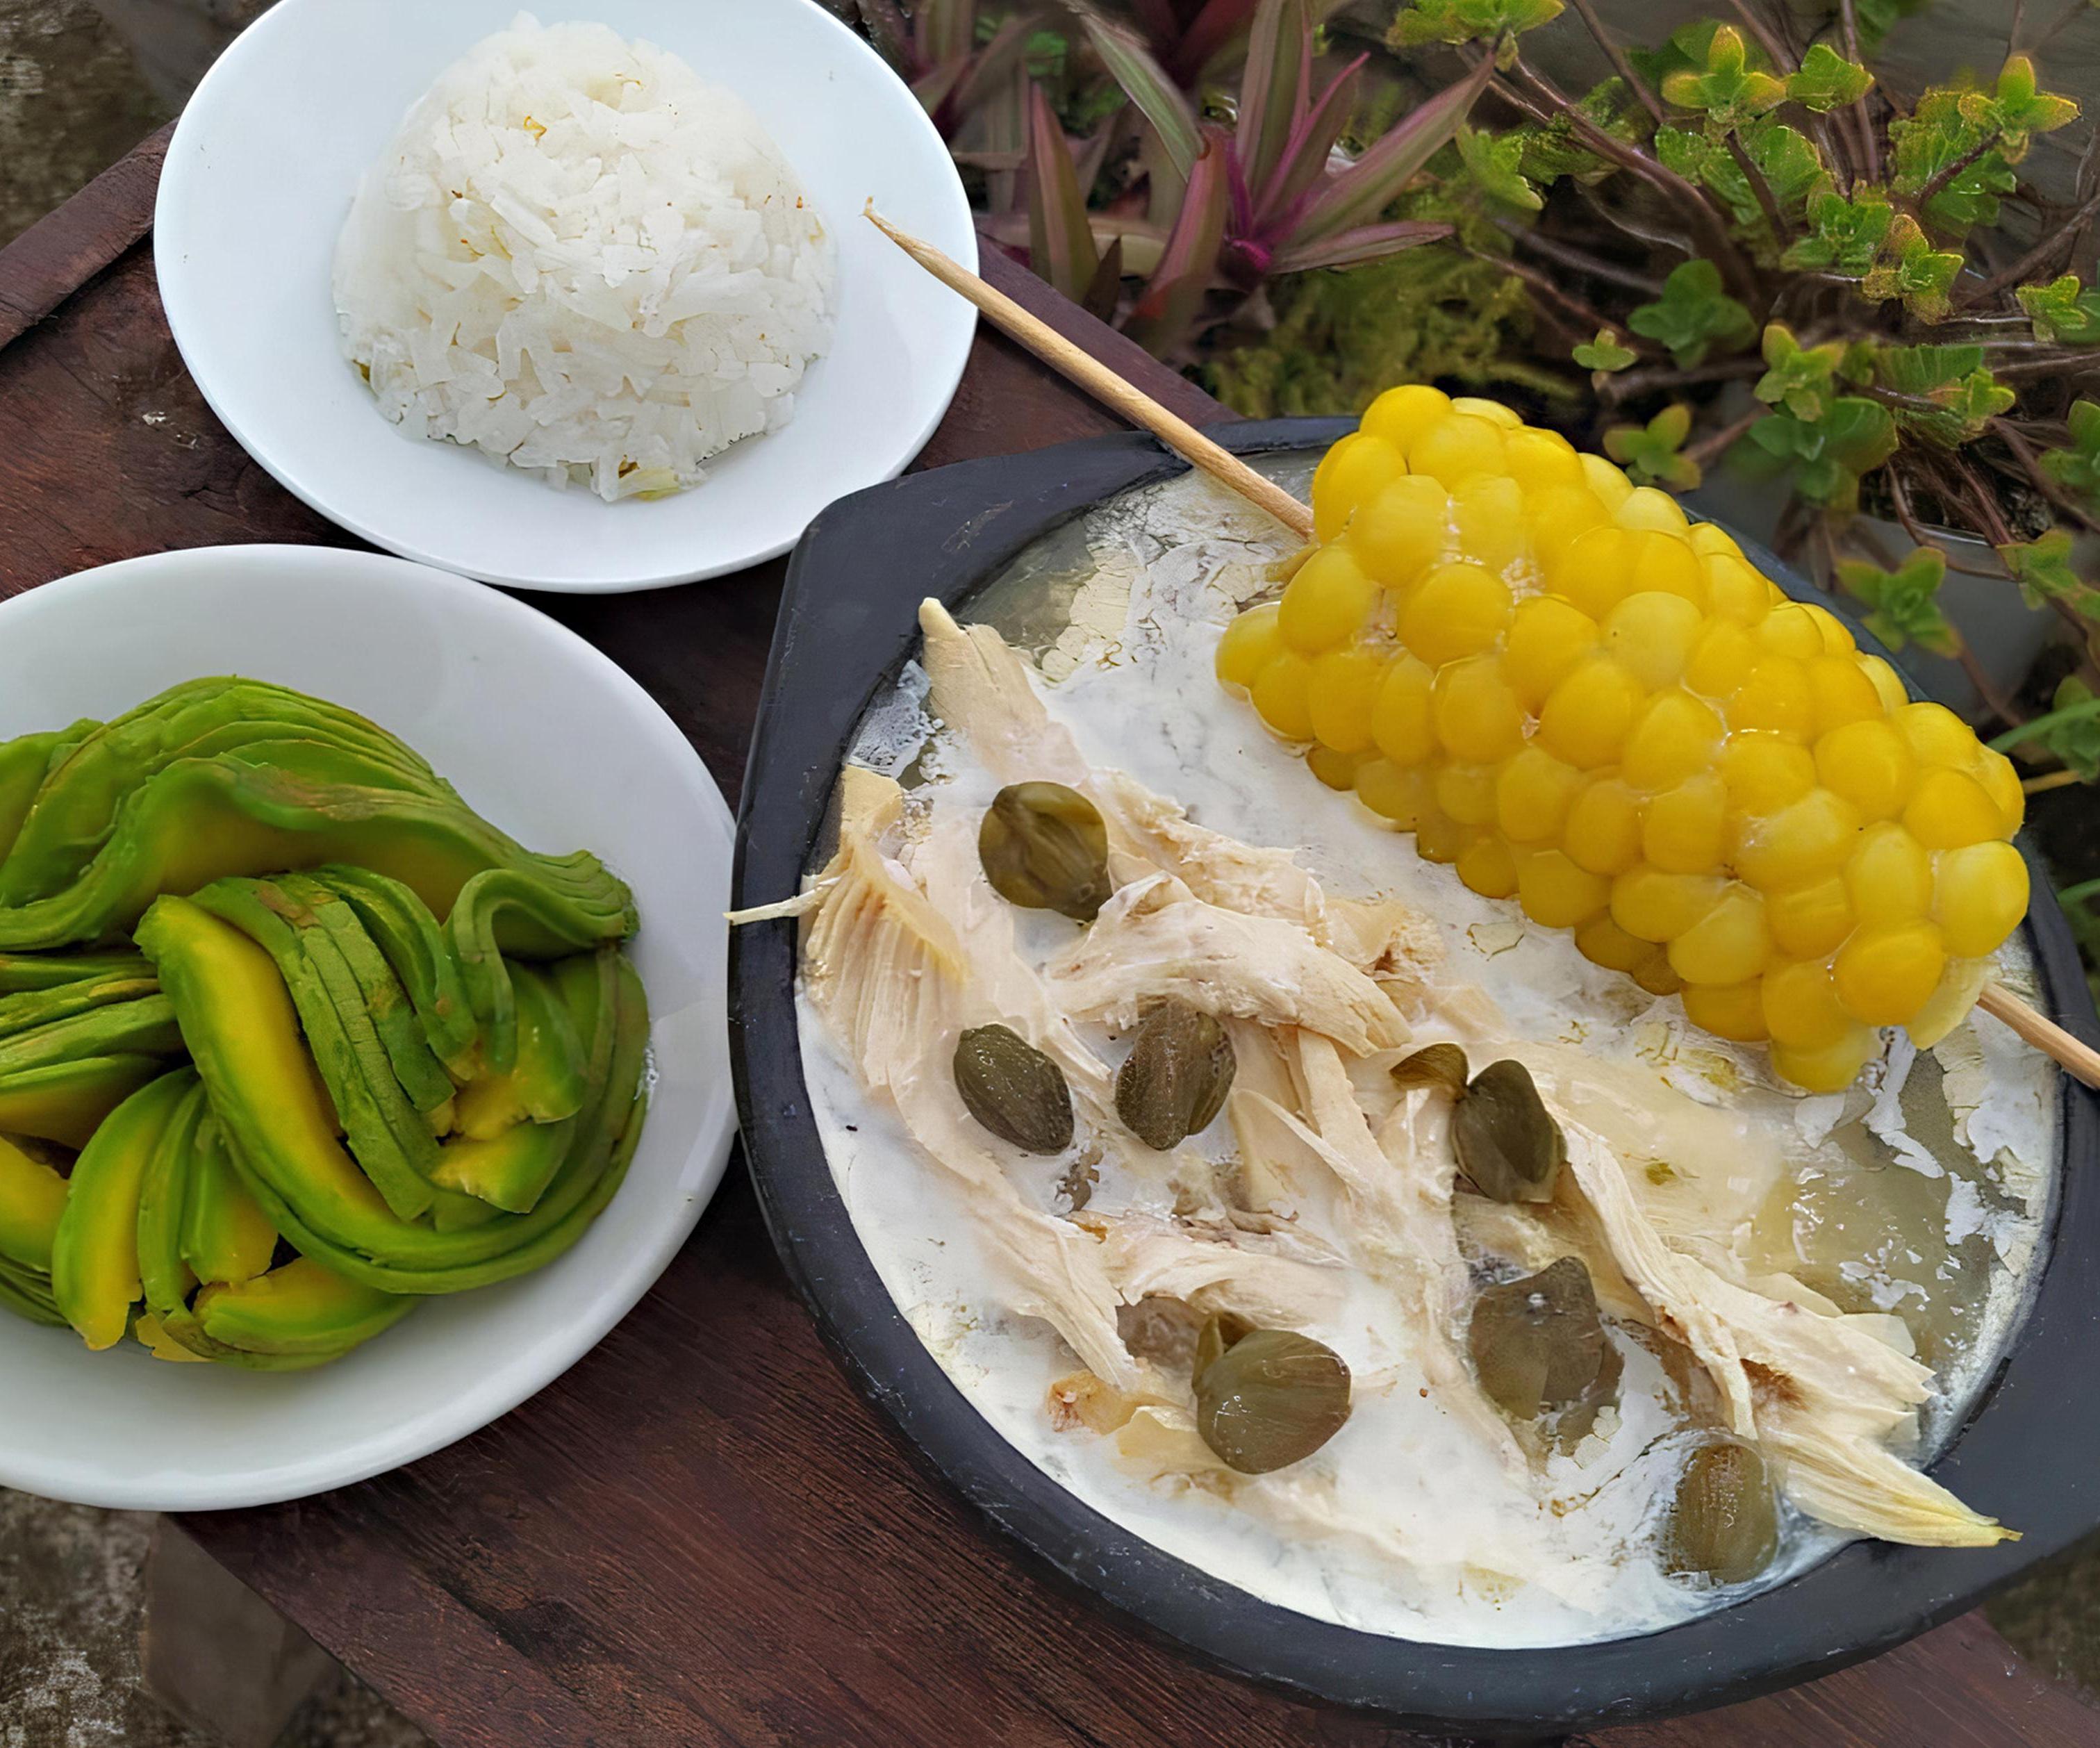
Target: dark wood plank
column 699, row 1535
column 68, row 247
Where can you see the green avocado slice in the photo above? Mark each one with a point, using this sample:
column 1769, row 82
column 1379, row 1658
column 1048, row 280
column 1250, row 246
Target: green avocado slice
column 24, row 762
column 226, row 1235
column 66, row 1102
column 509, row 910
column 547, row 1081
column 27, row 1294
column 413, row 943
column 33, row 1008
column 20, row 972
column 95, row 1250
column 300, row 1311
column 143, row 1026
column 33, row 1196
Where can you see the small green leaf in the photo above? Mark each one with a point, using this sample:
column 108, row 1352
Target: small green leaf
column 1802, row 379
column 1969, row 397
column 2062, row 310
column 1492, row 162
column 1845, row 236
column 2018, row 109
column 2069, row 730
column 1607, row 352
column 1904, row 604
column 1694, row 314
column 2077, row 469
column 1827, row 456
column 2042, row 568
column 1727, row 88
column 1937, row 137
column 1558, row 149
column 1650, row 453
column 1494, row 22
column 1827, row 80
column 1911, row 269
column 1687, row 51
column 1791, row 166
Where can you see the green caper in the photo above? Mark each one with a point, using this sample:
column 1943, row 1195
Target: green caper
column 1013, row 1089
column 1723, row 1526
column 1508, row 1144
column 1539, row 1350
column 1175, row 1078
column 1219, row 1332
column 1044, row 848
column 1270, row 1399
column 1436, row 1065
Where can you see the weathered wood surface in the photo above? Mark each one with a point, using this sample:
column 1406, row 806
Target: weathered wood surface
column 699, row 1535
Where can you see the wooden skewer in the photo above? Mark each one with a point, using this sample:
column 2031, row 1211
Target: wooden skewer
column 2077, row 1059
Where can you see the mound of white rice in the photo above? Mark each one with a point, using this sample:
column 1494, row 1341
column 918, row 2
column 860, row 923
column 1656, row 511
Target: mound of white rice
column 582, row 259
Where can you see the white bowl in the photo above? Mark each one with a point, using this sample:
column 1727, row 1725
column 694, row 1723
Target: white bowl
column 258, row 180
column 555, row 745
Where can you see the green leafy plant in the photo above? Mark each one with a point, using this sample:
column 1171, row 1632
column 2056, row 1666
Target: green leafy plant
column 1762, row 251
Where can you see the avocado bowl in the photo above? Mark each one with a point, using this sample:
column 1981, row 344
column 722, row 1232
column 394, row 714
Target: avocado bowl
column 549, row 741
column 848, row 634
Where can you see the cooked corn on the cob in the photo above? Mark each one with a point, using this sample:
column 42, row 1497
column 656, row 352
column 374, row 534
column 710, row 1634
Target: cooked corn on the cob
column 1586, row 703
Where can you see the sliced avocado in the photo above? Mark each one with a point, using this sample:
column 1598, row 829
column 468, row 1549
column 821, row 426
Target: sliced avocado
column 32, row 1197
column 387, row 1137
column 19, row 972
column 66, row 1102
column 226, row 1235
column 242, row 1031
column 27, row 1294
column 510, row 1170
column 143, row 1026
column 413, row 943
column 510, row 911
column 157, row 1342
column 33, row 1008
column 23, row 764
column 94, row 1251
column 302, row 1309
column 546, row 1083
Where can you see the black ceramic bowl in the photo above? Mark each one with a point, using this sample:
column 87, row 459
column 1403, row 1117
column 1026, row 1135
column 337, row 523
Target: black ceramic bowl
column 2026, row 1454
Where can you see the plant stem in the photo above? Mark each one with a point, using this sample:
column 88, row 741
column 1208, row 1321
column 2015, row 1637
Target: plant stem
column 1710, row 449
column 1617, row 56
column 2064, row 18
column 1766, row 39
column 1579, row 260
column 2042, row 724
column 1544, row 284
column 1931, row 192
column 1869, row 149
column 2054, row 239
column 2038, row 476
column 2057, row 779
column 1759, row 188
column 2078, row 894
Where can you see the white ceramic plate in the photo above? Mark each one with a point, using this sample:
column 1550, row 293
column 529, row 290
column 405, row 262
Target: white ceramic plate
column 259, row 178
column 555, row 745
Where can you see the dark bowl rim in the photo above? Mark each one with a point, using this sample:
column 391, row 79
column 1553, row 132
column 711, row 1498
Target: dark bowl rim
column 847, row 624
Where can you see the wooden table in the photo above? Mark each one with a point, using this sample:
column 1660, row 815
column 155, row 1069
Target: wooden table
column 699, row 1535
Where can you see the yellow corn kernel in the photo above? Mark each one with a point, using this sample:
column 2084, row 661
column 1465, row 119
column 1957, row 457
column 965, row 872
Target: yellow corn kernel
column 1979, row 897
column 1664, row 563
column 1399, row 533
column 1869, row 764
column 1401, row 725
column 1730, row 944
column 1475, row 710
column 1653, row 905
column 1457, row 447
column 1532, row 792
column 1603, row 829
column 1959, row 984
column 1247, row 644
column 1401, row 415
column 1776, row 696
column 1710, row 539
column 1765, row 772
column 1537, row 459
column 1798, row 844
column 1886, row 974
column 1595, row 570
column 1488, row 511
column 1488, row 867
column 1645, row 507
column 1327, row 602
column 1587, row 718
column 1350, row 474
column 1651, row 633
column 1547, row 636
column 1396, row 793
column 1610, row 484
column 1345, row 687
column 1675, row 736
column 1438, row 837
column 1282, row 695
column 1653, row 972
column 1807, row 921
column 1559, row 515
column 1556, row 892
column 1894, row 695
column 1337, row 770
column 1734, row 1011
column 1788, row 630
column 1467, row 792
column 1603, row 943
column 1949, row 809
column 1842, row 693
column 1493, row 411
column 1457, row 610
column 1721, row 659
column 1936, row 735
column 1837, row 640
column 1686, row 830
column 2000, row 778
column 1735, row 591
column 1801, row 1005
column 1830, row 1067
column 1889, row 877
